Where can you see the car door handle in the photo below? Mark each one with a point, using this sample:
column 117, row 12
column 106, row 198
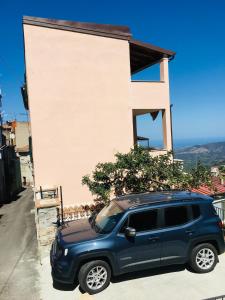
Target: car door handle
column 153, row 239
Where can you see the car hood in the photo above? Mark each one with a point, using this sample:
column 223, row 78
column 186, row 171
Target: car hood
column 78, row 231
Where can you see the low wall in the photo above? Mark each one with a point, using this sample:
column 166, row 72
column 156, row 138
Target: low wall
column 46, row 221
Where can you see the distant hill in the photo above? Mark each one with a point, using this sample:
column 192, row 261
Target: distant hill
column 209, row 154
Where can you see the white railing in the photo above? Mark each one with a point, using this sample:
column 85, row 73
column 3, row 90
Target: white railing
column 220, row 210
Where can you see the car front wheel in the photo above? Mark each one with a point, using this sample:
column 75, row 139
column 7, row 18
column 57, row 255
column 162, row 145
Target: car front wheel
column 203, row 258
column 94, row 276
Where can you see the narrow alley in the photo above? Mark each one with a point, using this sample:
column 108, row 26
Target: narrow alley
column 18, row 260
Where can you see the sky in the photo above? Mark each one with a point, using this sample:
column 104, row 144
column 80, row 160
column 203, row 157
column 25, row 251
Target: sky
column 195, row 30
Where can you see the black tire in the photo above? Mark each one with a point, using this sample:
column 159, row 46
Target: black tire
column 197, row 262
column 87, row 270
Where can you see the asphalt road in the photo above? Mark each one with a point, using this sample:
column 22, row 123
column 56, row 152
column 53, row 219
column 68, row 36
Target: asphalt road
column 19, row 277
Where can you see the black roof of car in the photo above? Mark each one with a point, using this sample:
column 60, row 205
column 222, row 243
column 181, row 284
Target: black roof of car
column 144, row 199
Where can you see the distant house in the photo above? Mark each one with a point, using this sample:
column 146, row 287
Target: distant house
column 215, row 171
column 23, row 148
column 17, row 134
column 82, row 100
column 217, row 190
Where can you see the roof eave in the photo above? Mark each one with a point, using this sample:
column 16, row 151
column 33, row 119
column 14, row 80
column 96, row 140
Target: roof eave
column 166, row 52
column 104, row 30
column 151, row 54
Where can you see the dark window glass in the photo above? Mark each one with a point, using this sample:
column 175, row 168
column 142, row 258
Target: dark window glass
column 144, row 220
column 176, row 215
column 124, row 226
column 195, row 211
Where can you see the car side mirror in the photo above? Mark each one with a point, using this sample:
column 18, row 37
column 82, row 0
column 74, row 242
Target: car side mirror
column 130, row 232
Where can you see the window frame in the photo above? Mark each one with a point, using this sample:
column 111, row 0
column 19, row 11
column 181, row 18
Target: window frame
column 158, row 220
column 161, row 217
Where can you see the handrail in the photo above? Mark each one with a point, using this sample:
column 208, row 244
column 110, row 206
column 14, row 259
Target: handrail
column 219, row 200
column 220, row 212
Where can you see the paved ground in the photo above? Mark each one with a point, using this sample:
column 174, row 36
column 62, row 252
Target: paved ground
column 19, row 278
column 175, row 283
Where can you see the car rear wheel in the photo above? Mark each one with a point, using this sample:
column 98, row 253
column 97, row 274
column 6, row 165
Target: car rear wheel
column 94, row 276
column 203, row 258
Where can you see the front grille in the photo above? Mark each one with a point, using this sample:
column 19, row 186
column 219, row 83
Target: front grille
column 54, row 247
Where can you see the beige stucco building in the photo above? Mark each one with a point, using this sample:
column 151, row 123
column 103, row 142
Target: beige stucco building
column 82, row 101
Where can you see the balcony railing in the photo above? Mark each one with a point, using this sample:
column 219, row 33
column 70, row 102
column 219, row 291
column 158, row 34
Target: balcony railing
column 143, row 142
column 149, row 95
column 146, row 144
column 220, row 212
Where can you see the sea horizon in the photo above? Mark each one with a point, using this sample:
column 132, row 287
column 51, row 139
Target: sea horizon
column 190, row 142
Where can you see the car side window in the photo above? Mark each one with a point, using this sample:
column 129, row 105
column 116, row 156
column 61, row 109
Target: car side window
column 143, row 221
column 176, row 215
column 123, row 227
column 195, row 211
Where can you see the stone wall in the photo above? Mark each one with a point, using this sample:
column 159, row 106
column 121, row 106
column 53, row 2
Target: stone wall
column 48, row 212
column 46, row 218
column 46, row 229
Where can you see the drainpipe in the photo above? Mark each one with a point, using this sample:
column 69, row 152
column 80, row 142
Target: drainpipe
column 1, row 122
column 171, row 126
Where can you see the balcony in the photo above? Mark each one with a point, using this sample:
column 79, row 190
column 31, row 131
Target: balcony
column 149, row 95
column 152, row 130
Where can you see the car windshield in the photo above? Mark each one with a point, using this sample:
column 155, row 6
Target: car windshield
column 108, row 217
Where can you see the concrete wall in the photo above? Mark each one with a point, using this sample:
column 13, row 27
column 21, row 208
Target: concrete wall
column 78, row 93
column 81, row 100
column 149, row 95
column 26, row 169
column 12, row 172
column 22, row 134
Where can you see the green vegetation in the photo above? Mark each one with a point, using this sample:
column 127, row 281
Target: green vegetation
column 137, row 171
column 222, row 169
column 209, row 154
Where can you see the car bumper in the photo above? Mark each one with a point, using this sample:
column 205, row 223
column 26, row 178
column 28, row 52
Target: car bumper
column 61, row 269
column 222, row 247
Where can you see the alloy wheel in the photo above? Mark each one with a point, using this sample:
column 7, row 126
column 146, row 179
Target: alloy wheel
column 205, row 258
column 96, row 277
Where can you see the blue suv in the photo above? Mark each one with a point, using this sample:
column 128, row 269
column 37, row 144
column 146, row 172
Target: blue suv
column 136, row 232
